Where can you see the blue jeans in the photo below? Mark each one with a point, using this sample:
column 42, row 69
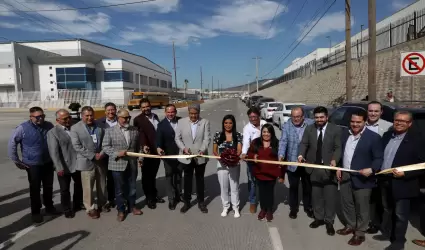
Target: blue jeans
column 125, row 188
column 252, row 184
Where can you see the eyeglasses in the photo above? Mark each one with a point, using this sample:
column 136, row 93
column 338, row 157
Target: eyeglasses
column 38, row 117
column 65, row 118
column 402, row 121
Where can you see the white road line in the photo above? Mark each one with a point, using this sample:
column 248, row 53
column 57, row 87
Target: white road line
column 275, row 237
column 209, row 113
column 228, row 110
column 17, row 236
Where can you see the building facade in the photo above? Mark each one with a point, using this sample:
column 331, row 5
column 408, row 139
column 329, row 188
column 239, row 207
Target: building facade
column 52, row 68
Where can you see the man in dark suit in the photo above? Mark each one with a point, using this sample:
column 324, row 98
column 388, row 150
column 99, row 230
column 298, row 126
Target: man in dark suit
column 166, row 145
column 402, row 147
column 108, row 121
column 321, row 144
column 147, row 123
column 363, row 152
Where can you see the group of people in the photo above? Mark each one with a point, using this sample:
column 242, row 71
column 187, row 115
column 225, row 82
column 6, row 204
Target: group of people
column 95, row 152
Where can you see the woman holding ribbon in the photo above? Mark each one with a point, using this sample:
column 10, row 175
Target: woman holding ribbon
column 228, row 145
column 266, row 148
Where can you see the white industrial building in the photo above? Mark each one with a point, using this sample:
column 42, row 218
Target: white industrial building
column 382, row 42
column 50, row 68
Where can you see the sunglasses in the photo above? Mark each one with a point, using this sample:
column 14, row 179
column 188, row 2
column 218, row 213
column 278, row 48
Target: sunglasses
column 38, row 117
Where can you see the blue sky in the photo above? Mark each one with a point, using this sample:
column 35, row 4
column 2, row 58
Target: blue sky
column 222, row 36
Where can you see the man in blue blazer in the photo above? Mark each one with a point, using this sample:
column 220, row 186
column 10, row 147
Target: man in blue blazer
column 363, row 152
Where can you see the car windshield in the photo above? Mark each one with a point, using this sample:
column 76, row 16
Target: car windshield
column 274, row 105
column 137, row 97
column 289, row 107
column 267, row 100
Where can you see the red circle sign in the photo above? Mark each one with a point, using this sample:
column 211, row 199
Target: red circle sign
column 410, row 61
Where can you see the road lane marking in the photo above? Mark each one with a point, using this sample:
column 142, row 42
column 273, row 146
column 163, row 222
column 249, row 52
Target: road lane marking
column 17, row 236
column 209, row 113
column 228, row 110
column 275, row 237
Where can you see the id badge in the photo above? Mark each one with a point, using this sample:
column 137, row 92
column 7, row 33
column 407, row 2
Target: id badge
column 94, row 137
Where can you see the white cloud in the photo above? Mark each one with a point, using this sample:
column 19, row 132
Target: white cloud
column 250, row 17
column 399, row 4
column 5, row 10
column 8, row 25
column 73, row 23
column 160, row 6
column 329, row 23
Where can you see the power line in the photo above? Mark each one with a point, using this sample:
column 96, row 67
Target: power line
column 299, row 12
column 281, row 61
column 86, row 8
column 274, row 17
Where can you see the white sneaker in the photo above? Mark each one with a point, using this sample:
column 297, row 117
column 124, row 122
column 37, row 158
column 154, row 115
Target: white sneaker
column 237, row 214
column 224, row 213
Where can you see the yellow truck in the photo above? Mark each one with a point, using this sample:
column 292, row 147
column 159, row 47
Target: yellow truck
column 157, row 99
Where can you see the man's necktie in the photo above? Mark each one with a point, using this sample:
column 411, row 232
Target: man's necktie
column 319, row 147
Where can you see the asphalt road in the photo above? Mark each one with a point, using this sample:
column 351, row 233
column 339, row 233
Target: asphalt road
column 161, row 228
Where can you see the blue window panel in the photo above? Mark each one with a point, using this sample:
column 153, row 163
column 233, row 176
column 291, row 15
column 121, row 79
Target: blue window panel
column 75, row 71
column 91, row 78
column 75, row 78
column 60, row 71
column 60, row 78
column 112, row 76
column 90, row 71
column 126, row 76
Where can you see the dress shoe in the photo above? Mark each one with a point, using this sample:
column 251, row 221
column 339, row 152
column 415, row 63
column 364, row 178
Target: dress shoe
column 94, row 214
column 269, row 216
column 203, row 208
column 317, row 223
column 136, row 211
column 330, row 229
column 159, row 200
column 172, row 205
column 356, row 240
column 262, row 215
column 69, row 214
column 372, row 229
column 37, row 218
column 381, row 237
column 151, row 204
column 293, row 214
column 309, row 213
column 253, row 208
column 52, row 211
column 345, row 231
column 120, row 216
column 185, row 207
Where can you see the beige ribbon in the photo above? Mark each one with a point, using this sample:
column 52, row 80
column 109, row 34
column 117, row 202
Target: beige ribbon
column 413, row 167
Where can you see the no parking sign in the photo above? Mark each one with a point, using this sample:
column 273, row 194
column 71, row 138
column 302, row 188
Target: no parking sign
column 412, row 63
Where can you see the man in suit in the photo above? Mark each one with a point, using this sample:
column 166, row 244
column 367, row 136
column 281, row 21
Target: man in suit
column 193, row 137
column 108, row 121
column 402, row 147
column 363, row 152
column 292, row 133
column 86, row 140
column 64, row 159
column 31, row 135
column 379, row 126
column 166, row 145
column 119, row 140
column 321, row 144
column 147, row 123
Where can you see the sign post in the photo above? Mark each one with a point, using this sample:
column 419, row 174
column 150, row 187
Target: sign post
column 412, row 64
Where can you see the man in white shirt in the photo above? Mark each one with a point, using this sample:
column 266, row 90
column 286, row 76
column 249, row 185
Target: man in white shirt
column 251, row 131
column 379, row 126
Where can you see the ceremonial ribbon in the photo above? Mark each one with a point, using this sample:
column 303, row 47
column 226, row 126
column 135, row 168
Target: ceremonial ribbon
column 413, row 167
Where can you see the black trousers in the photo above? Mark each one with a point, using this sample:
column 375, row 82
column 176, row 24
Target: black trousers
column 188, row 179
column 294, row 182
column 149, row 170
column 266, row 190
column 173, row 176
column 375, row 206
column 37, row 175
column 64, row 184
column 110, row 187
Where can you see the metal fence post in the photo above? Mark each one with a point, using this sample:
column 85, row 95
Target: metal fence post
column 391, row 36
column 414, row 24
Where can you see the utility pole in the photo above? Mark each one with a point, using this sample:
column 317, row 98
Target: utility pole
column 348, row 88
column 201, row 83
column 175, row 69
column 212, row 87
column 256, row 67
column 218, row 86
column 371, row 71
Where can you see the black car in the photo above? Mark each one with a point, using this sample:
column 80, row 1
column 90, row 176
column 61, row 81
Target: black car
column 341, row 116
column 253, row 100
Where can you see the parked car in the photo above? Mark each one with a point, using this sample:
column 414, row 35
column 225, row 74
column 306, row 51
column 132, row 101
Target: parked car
column 283, row 113
column 253, row 100
column 260, row 102
column 268, row 109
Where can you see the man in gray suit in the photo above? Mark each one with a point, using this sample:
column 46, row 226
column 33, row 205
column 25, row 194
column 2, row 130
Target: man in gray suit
column 321, row 144
column 87, row 139
column 193, row 137
column 379, row 126
column 64, row 159
column 118, row 140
